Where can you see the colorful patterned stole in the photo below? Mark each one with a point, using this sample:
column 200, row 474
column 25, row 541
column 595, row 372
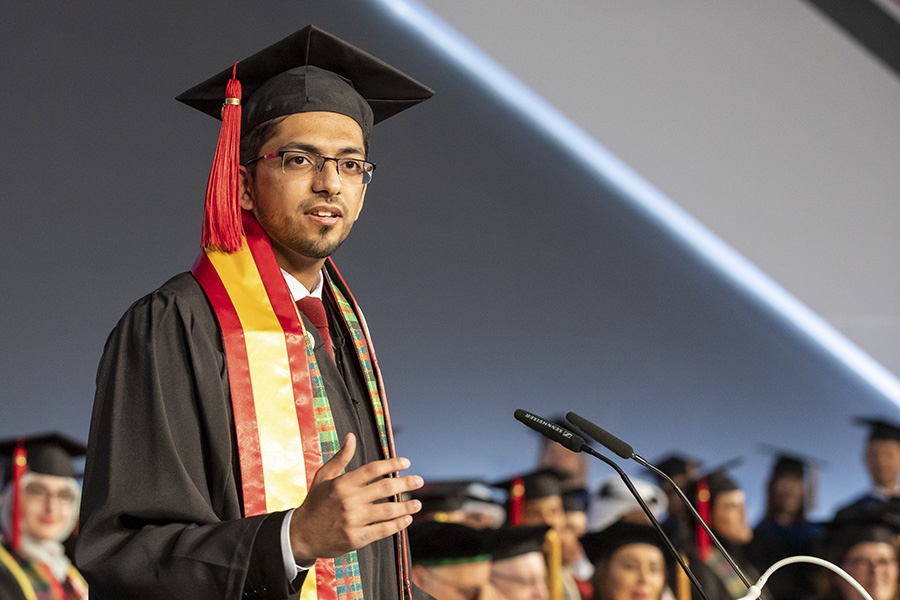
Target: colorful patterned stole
column 37, row 581
column 284, row 426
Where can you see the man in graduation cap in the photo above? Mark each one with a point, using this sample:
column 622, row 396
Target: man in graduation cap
column 882, row 459
column 38, row 512
column 240, row 442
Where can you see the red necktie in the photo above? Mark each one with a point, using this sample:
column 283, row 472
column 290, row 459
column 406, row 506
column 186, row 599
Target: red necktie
column 314, row 310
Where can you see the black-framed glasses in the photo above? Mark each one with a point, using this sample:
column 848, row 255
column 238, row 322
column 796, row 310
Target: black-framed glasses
column 301, row 164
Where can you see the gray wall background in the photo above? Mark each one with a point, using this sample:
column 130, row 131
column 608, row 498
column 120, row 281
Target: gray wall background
column 495, row 270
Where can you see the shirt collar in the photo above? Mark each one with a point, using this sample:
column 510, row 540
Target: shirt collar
column 298, row 290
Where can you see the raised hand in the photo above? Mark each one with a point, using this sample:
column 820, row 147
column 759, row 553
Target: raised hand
column 342, row 511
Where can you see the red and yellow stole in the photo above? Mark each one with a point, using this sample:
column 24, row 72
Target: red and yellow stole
column 283, row 423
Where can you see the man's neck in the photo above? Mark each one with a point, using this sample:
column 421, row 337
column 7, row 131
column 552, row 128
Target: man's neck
column 303, row 269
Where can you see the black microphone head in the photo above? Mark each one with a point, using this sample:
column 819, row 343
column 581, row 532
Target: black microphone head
column 605, row 438
column 558, row 434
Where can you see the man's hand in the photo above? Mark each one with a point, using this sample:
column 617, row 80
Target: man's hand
column 341, row 512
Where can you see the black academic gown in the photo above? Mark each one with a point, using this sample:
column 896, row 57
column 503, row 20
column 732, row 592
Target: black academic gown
column 162, row 509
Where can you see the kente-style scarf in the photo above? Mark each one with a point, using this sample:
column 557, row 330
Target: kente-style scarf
column 284, row 425
column 37, row 581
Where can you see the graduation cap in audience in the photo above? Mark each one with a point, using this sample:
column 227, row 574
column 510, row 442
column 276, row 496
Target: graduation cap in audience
column 535, row 485
column 702, row 493
column 789, row 463
column 879, row 429
column 308, row 71
column 42, row 454
column 46, row 454
column 600, row 545
column 675, row 464
column 434, row 543
column 864, row 524
column 459, row 500
column 511, row 542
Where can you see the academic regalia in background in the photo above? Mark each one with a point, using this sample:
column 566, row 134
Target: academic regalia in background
column 600, row 547
column 785, row 531
column 883, row 441
column 518, row 566
column 452, row 560
column 38, row 512
column 864, row 542
column 715, row 574
column 470, row 502
column 575, row 506
column 173, row 505
column 678, row 523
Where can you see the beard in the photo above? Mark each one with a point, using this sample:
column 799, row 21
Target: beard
column 318, row 247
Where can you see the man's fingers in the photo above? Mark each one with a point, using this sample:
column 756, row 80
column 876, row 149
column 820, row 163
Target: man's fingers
column 381, row 530
column 390, row 487
column 337, row 463
column 391, row 511
column 376, row 470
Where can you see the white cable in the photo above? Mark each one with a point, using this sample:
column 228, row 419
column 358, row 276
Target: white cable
column 756, row 589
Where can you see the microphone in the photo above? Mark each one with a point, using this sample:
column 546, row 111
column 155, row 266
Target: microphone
column 622, row 449
column 575, row 443
column 553, row 431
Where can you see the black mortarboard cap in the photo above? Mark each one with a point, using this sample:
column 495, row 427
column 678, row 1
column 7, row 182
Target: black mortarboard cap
column 311, row 70
column 854, row 525
column 46, row 454
column 512, row 541
column 599, row 545
column 715, row 482
column 451, row 495
column 880, row 429
column 541, row 483
column 676, row 464
column 434, row 543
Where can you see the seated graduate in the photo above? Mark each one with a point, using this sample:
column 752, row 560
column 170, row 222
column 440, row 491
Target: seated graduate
column 785, row 531
column 865, row 544
column 536, row 498
column 882, row 460
column 38, row 513
column 719, row 496
column 452, row 561
column 518, row 570
column 629, row 562
column 574, row 561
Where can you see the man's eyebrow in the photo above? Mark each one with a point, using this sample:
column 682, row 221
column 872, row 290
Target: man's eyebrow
column 306, row 147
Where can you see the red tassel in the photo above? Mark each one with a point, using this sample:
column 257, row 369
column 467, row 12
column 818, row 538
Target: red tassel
column 222, row 228
column 516, row 501
column 704, row 544
column 19, row 465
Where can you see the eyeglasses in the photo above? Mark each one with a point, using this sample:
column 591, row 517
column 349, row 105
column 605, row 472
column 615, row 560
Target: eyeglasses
column 871, row 563
column 39, row 492
column 306, row 164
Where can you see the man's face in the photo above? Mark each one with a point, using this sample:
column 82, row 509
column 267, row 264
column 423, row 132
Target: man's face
column 544, row 511
column 883, row 462
column 306, row 218
column 522, row 577
column 728, row 517
column 48, row 507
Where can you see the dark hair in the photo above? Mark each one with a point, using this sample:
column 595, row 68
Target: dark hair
column 771, row 510
column 253, row 141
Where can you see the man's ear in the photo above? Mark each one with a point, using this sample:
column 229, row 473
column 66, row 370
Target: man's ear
column 245, row 188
